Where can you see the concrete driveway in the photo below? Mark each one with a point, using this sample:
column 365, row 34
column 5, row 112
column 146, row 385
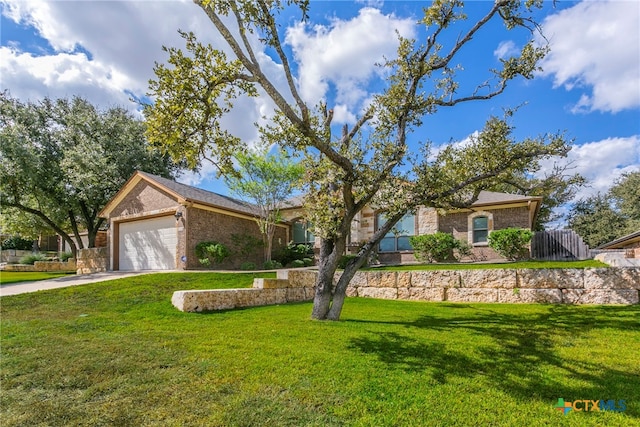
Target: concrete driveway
column 63, row 282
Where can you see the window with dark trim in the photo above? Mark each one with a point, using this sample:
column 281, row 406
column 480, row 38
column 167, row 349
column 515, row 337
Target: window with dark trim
column 302, row 232
column 480, row 229
column 398, row 238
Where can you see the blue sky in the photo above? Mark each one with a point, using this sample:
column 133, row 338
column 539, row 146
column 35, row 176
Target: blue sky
column 590, row 86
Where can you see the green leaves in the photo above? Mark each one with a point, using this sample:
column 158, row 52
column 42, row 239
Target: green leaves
column 266, row 181
column 458, row 173
column 511, row 243
column 62, row 160
column 190, row 98
column 605, row 217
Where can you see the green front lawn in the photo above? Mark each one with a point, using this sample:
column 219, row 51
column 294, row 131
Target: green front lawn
column 118, row 353
column 7, row 277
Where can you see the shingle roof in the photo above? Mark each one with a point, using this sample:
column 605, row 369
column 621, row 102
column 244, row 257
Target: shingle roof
column 629, row 238
column 198, row 195
column 484, row 198
column 493, row 197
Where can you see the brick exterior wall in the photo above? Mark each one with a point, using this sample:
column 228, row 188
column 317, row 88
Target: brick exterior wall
column 144, row 198
column 429, row 221
column 204, row 225
column 458, row 224
column 196, row 225
column 511, row 217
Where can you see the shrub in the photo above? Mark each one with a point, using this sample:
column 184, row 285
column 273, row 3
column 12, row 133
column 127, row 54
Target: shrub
column 65, row 256
column 296, row 263
column 438, row 247
column 271, row 265
column 17, row 243
column 247, row 266
column 208, row 252
column 31, row 259
column 308, row 262
column 511, row 243
column 293, row 251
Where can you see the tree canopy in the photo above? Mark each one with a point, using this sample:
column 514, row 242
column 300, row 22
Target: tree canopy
column 62, row 160
column 370, row 162
column 605, row 217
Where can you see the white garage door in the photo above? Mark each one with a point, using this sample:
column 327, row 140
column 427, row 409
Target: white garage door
column 148, row 244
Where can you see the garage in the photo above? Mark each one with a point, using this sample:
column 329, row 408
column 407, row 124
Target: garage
column 148, row 244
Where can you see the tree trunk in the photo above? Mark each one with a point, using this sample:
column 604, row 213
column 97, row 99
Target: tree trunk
column 341, row 287
column 330, row 253
column 92, row 232
column 332, row 307
column 76, row 231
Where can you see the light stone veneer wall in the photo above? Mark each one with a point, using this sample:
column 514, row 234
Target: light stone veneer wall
column 92, row 260
column 43, row 266
column 553, row 286
column 569, row 286
column 290, row 286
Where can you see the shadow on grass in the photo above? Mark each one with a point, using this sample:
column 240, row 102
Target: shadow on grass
column 518, row 353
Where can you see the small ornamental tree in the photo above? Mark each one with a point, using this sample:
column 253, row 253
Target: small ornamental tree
column 511, row 243
column 266, row 181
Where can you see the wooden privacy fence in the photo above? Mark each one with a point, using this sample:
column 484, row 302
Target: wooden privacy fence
column 558, row 245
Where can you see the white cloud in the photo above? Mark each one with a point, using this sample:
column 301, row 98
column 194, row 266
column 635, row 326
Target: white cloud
column 601, row 162
column 62, row 75
column 595, row 47
column 506, row 49
column 344, row 54
column 123, row 40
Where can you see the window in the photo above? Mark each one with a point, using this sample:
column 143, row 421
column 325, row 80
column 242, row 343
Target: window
column 480, row 229
column 398, row 238
column 302, row 233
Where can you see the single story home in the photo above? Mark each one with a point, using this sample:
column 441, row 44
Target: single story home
column 155, row 223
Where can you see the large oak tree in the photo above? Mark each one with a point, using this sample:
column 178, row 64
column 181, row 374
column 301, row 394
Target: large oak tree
column 370, row 162
column 62, row 160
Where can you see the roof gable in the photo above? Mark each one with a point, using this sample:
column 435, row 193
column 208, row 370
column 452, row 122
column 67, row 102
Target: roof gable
column 184, row 194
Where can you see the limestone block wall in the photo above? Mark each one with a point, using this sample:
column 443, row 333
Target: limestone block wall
column 568, row 286
column 291, row 286
column 93, row 260
column 44, row 266
column 13, row 255
column 551, row 286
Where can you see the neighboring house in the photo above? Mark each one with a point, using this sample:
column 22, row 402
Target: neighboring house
column 630, row 242
column 101, row 241
column 155, row 224
column 492, row 211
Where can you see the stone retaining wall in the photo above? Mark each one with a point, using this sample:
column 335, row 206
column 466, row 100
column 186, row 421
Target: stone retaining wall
column 43, row 266
column 570, row 286
column 92, row 260
column 290, row 286
column 13, row 256
column 553, row 286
